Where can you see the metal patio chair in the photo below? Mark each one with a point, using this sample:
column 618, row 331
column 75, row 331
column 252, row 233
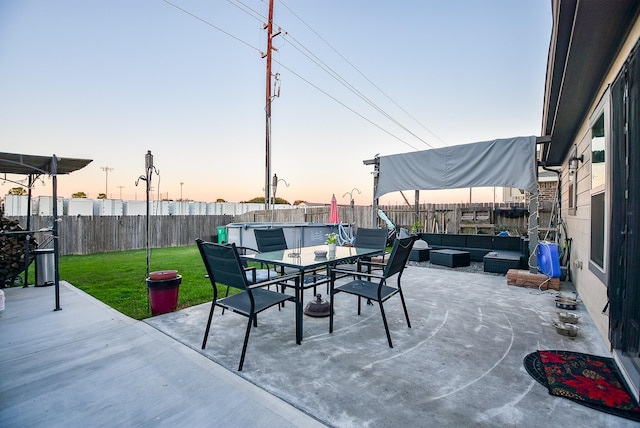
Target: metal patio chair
column 368, row 238
column 253, row 274
column 224, row 267
column 274, row 240
column 375, row 287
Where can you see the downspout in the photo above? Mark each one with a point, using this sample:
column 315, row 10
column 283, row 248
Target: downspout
column 558, row 188
column 560, row 220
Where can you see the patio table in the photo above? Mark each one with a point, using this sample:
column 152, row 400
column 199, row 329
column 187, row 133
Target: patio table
column 305, row 261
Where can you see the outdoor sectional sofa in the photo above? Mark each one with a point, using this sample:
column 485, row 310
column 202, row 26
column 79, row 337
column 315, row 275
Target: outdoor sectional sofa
column 498, row 253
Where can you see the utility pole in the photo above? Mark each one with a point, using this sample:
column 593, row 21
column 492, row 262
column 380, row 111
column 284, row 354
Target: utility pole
column 267, row 172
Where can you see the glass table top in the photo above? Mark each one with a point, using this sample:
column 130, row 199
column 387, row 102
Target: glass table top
column 306, row 258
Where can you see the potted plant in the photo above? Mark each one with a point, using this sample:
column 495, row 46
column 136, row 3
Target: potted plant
column 332, row 242
column 416, row 227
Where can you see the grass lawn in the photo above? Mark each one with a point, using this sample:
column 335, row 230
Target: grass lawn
column 118, row 278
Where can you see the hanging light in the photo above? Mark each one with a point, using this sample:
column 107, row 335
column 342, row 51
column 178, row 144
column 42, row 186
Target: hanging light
column 573, row 165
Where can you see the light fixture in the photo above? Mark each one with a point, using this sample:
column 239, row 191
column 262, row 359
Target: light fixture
column 573, row 165
column 274, row 185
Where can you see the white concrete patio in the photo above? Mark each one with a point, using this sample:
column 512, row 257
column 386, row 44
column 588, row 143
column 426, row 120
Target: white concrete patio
column 460, row 364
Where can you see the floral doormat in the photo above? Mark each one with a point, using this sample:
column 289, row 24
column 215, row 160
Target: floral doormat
column 586, row 379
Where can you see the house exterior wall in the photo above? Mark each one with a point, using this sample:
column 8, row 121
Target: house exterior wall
column 547, row 191
column 591, row 288
column 512, row 195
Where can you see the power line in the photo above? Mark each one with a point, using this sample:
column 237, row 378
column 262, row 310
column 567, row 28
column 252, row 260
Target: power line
column 336, row 76
column 362, row 74
column 211, row 25
column 256, row 15
column 347, row 107
column 248, row 10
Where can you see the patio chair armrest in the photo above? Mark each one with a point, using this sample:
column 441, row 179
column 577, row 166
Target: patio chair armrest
column 277, row 280
column 350, row 272
column 372, row 264
column 243, row 250
column 251, row 269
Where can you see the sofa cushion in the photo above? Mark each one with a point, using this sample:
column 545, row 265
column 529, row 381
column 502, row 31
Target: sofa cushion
column 476, row 254
column 479, row 241
column 432, row 238
column 509, row 243
column 454, row 240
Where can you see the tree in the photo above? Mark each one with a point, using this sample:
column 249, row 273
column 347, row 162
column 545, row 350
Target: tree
column 102, row 196
column 220, row 200
column 18, row 191
column 281, row 201
column 79, row 195
column 260, row 200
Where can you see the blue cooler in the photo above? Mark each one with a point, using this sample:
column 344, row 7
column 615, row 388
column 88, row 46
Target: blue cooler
column 548, row 259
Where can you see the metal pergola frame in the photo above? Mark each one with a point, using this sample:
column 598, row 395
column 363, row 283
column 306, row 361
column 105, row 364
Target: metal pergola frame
column 33, row 167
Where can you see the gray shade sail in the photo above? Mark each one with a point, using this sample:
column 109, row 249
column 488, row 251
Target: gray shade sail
column 508, row 162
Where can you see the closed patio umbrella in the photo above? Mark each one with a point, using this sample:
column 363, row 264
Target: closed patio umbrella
column 334, row 217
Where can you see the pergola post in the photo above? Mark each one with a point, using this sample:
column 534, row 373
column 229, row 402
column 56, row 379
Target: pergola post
column 54, row 181
column 376, row 171
column 533, row 232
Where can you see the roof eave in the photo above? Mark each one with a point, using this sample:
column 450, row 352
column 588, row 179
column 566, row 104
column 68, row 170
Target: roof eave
column 586, row 37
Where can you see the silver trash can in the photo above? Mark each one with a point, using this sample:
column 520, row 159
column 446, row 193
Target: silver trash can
column 45, row 269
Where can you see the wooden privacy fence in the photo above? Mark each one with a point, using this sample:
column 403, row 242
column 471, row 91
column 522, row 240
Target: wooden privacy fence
column 450, row 218
column 89, row 234
column 97, row 234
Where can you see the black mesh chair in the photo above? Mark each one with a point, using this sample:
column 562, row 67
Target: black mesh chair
column 274, row 240
column 254, row 274
column 368, row 238
column 270, row 239
column 376, row 287
column 224, row 267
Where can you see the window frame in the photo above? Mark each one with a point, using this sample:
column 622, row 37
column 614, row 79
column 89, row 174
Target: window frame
column 602, row 109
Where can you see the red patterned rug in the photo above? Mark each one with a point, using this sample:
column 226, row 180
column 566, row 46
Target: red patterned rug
column 590, row 380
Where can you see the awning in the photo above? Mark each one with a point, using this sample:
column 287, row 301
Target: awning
column 508, row 162
column 32, row 165
column 14, row 163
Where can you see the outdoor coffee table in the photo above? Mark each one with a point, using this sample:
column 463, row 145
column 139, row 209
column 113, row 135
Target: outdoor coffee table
column 450, row 258
column 305, row 261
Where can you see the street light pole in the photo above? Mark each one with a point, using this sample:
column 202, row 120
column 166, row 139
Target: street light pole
column 352, row 202
column 181, row 183
column 274, row 186
column 106, row 170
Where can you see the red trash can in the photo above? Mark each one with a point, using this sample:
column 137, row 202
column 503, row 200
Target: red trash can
column 163, row 288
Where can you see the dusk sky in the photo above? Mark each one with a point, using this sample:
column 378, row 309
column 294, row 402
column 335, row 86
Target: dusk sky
column 109, row 80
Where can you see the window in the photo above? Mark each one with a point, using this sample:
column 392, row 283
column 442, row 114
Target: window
column 599, row 141
column 572, row 196
column 597, row 229
column 597, row 154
